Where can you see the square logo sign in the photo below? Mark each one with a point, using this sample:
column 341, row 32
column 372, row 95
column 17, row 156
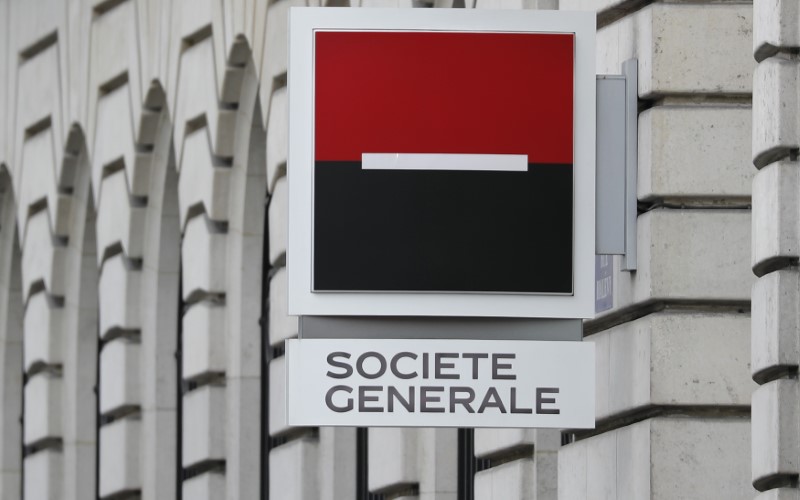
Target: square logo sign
column 439, row 165
column 483, row 200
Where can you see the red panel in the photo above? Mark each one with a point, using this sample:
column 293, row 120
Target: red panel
column 435, row 92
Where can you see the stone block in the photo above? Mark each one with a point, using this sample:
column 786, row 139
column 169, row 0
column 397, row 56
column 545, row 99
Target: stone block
column 516, row 4
column 204, row 334
column 515, row 479
column 776, row 122
column 277, row 397
column 119, row 376
column 277, row 136
column 207, row 486
column 275, row 56
column 775, row 322
column 159, row 451
column 204, row 257
column 202, row 181
column 113, row 140
column 44, row 475
column 118, row 220
column 114, row 51
column 682, row 48
column 278, row 220
column 436, row 460
column 775, row 26
column 196, row 97
column 776, row 205
column 37, row 181
column 591, row 5
column 38, row 98
column 281, row 325
column 291, row 465
column 490, row 442
column 203, row 425
column 119, row 456
column 780, row 494
column 672, row 358
column 337, row 462
column 120, row 291
column 695, row 255
column 43, row 403
column 694, row 152
column 660, row 458
column 776, row 435
column 43, row 332
column 399, row 466
column 42, row 260
column 243, row 422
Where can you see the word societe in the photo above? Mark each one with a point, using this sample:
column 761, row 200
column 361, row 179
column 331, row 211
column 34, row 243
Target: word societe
column 435, row 396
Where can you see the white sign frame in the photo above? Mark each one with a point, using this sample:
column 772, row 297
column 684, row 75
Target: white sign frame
column 303, row 22
column 545, row 392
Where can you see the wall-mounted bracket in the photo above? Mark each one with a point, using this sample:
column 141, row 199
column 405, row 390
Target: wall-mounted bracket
column 617, row 158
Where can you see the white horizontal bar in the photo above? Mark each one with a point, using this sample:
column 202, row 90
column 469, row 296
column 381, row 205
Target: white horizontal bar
column 433, row 161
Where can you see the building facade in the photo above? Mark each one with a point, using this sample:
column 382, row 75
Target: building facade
column 143, row 213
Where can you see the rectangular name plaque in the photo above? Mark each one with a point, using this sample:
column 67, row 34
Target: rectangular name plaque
column 440, row 383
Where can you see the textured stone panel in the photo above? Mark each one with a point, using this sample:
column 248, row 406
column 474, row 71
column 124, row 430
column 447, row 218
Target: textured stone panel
column 201, row 181
column 682, row 48
column 204, row 336
column 673, row 359
column 776, row 127
column 776, row 434
column 660, row 458
column 120, row 290
column 203, row 425
column 776, row 319
column 120, row 220
column 119, row 456
column 695, row 152
column 776, row 207
column 119, row 375
column 291, row 464
column 43, row 332
column 695, row 255
column 203, row 251
column 43, row 404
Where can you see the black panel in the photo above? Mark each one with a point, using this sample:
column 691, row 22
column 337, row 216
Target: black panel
column 471, row 231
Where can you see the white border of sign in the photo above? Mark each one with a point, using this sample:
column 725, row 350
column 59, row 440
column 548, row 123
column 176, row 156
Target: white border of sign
column 302, row 301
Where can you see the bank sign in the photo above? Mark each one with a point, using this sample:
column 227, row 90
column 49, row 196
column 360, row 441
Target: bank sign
column 441, row 163
column 465, row 383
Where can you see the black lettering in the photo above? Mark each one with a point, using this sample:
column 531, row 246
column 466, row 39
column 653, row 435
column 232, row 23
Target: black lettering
column 425, row 398
column 474, row 356
column 363, row 398
column 540, row 401
column 425, row 365
column 396, row 372
column 393, row 393
column 364, row 357
column 348, row 370
column 463, row 401
column 439, row 365
column 492, row 400
column 496, row 367
column 514, row 408
column 329, row 399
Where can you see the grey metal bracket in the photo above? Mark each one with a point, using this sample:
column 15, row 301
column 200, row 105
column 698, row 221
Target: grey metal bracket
column 616, row 164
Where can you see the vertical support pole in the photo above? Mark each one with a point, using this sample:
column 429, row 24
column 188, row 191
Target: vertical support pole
column 631, row 72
